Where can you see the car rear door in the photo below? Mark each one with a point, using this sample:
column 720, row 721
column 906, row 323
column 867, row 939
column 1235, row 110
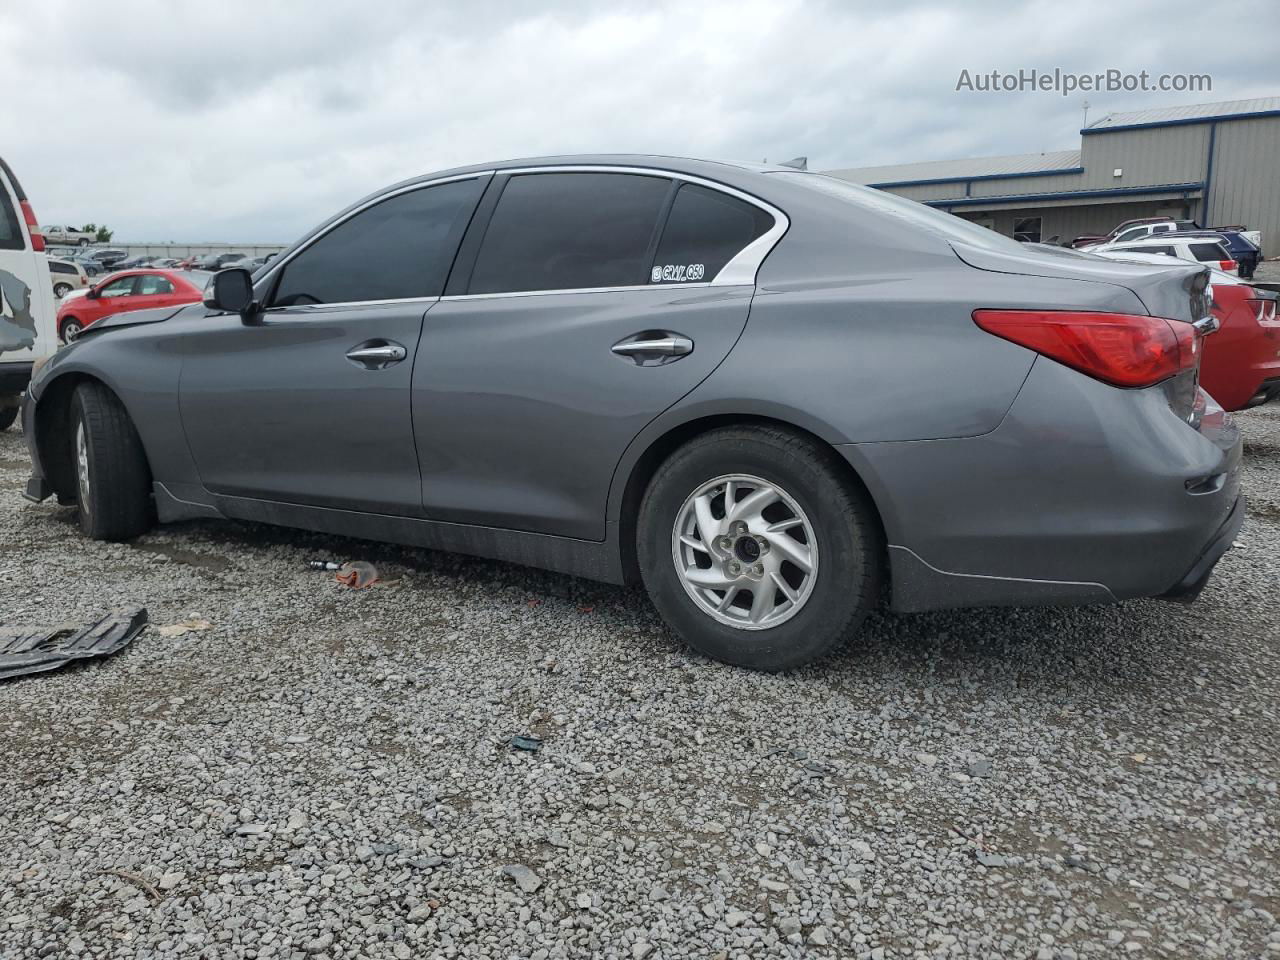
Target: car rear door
column 156, row 290
column 585, row 301
column 308, row 403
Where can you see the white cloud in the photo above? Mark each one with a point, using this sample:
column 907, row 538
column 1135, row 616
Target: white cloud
column 252, row 121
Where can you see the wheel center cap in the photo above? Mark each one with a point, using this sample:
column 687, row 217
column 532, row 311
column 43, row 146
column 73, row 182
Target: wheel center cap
column 746, row 549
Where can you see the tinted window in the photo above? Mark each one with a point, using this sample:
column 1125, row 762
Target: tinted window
column 10, row 230
column 399, row 248
column 1133, row 233
column 1209, row 251
column 56, row 267
column 153, row 285
column 705, row 230
column 563, row 231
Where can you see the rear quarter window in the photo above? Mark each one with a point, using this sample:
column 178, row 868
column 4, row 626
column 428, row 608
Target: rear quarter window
column 55, row 267
column 1209, row 251
column 704, row 231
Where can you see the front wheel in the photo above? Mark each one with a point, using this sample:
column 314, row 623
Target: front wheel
column 70, row 330
column 113, row 482
column 756, row 549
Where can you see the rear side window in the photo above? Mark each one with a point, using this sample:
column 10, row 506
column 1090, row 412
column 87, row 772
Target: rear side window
column 705, row 230
column 398, row 249
column 56, row 267
column 1209, row 251
column 11, row 237
column 566, row 231
column 152, row 285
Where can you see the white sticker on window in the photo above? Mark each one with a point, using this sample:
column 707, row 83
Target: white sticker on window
column 679, row 272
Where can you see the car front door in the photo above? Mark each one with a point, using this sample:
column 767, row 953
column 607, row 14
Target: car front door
column 578, row 311
column 308, row 402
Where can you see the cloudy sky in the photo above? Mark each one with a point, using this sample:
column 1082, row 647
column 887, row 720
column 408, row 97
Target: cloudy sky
column 252, row 121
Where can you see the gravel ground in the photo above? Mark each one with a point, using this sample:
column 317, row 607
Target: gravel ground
column 326, row 773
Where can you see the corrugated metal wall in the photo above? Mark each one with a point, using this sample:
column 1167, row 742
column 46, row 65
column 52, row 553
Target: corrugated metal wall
column 1147, row 157
column 1246, row 178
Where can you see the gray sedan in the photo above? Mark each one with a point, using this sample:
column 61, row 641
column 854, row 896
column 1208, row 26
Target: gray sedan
column 776, row 399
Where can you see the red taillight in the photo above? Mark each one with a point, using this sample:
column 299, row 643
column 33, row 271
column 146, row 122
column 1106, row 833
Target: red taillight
column 1117, row 348
column 1226, row 264
column 33, row 225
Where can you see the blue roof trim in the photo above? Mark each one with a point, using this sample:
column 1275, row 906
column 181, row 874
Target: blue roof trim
column 1067, row 195
column 1182, row 121
column 982, row 176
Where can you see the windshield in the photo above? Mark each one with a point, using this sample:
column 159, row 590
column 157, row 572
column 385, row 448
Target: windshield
column 945, row 225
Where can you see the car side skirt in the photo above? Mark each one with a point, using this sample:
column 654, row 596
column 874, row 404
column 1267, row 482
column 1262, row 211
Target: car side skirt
column 593, row 560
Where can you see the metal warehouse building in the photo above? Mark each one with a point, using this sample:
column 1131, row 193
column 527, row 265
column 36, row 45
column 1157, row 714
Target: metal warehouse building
column 1217, row 163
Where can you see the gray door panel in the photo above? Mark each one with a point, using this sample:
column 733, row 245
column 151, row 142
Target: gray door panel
column 278, row 411
column 522, row 410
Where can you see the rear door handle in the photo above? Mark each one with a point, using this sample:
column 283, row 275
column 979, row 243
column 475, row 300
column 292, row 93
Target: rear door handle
column 652, row 350
column 377, row 354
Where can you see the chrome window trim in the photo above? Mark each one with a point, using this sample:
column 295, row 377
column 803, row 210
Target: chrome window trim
column 574, row 290
column 739, row 271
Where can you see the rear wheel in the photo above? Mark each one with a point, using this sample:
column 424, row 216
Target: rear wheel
column 60, row 290
column 755, row 549
column 113, row 483
column 83, row 242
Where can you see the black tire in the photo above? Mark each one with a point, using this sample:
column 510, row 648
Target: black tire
column 61, row 290
column 847, row 580
column 69, row 330
column 115, row 492
column 8, row 416
column 82, row 242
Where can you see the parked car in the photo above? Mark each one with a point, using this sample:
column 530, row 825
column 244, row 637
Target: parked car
column 216, row 261
column 164, row 263
column 1241, row 363
column 108, row 257
column 131, row 290
column 135, row 262
column 1245, row 246
column 26, row 295
column 1196, row 247
column 917, row 403
column 1128, row 230
column 66, row 275
column 67, row 235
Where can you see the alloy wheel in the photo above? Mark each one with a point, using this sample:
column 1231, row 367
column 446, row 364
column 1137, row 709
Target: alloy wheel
column 82, row 467
column 745, row 552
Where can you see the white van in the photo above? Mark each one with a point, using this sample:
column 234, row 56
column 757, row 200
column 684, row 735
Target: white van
column 27, row 332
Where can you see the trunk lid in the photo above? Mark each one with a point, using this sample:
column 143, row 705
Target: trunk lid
column 1175, row 292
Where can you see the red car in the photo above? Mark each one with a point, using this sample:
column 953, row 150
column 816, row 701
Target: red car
column 130, row 290
column 1241, row 363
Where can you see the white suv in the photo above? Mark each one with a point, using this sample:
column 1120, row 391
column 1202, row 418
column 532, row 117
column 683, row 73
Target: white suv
column 27, row 333
column 1208, row 249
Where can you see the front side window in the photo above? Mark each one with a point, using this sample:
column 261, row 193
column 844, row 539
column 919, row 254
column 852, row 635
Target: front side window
column 704, row 231
column 1133, row 233
column 1204, row 252
column 567, row 231
column 153, row 285
column 118, row 288
column 400, row 248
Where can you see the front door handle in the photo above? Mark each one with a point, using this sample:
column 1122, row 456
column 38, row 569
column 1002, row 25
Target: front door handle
column 650, row 349
column 376, row 354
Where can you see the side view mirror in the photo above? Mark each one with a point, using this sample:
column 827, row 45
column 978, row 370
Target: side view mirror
column 231, row 291
column 93, row 293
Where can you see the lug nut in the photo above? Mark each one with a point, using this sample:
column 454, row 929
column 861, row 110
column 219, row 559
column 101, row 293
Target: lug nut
column 764, row 544
column 758, row 569
column 735, row 569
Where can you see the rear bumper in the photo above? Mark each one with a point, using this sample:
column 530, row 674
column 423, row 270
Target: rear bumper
column 1085, row 493
column 1189, row 587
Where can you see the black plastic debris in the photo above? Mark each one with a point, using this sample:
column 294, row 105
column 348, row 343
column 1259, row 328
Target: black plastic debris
column 34, row 649
column 529, row 744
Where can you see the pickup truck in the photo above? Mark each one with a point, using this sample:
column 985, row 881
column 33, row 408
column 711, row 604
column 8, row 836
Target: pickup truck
column 67, row 236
